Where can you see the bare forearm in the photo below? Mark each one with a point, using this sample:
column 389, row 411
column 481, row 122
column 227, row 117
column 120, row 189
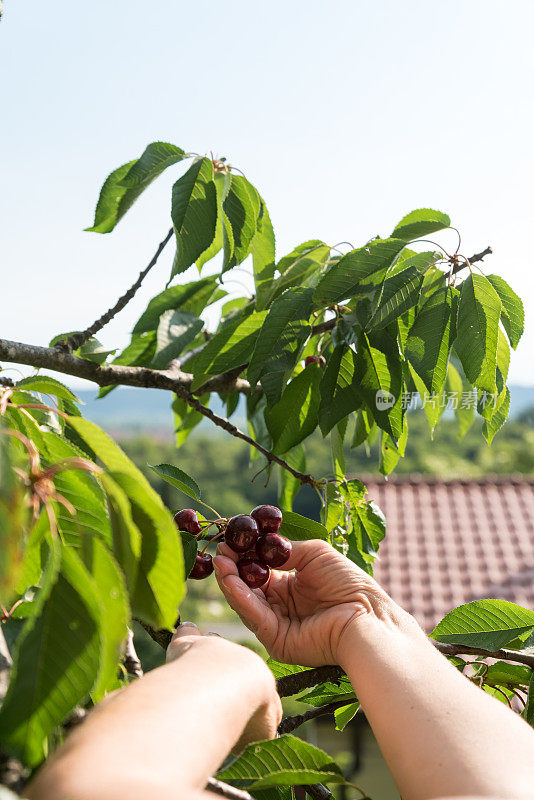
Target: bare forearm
column 165, row 733
column 441, row 735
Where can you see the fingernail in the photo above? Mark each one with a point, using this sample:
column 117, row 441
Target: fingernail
column 184, row 624
column 212, row 633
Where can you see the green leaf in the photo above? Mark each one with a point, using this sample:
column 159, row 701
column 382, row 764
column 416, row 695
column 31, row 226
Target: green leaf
column 176, row 330
column 124, row 185
column 160, row 583
column 344, row 715
column 433, row 403
column 464, row 410
column 178, row 478
column 230, row 347
column 283, row 331
column 190, row 547
column 528, row 711
column 489, row 624
column 501, row 672
column 479, row 311
column 378, row 376
column 365, row 425
column 421, row 222
column 342, row 279
column 284, row 761
column 191, row 297
column 263, row 257
column 110, row 588
column 390, row 452
column 429, row 341
column 294, row 417
column 194, row 213
column 154, row 160
column 126, row 535
column 368, row 521
column 186, row 418
column 93, row 350
column 242, row 209
column 493, row 425
column 339, row 396
column 57, row 658
column 289, row 485
column 301, row 268
column 300, row 529
column 512, row 311
column 399, row 293
column 47, row 385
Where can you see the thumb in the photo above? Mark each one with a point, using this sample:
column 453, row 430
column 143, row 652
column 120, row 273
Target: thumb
column 253, row 609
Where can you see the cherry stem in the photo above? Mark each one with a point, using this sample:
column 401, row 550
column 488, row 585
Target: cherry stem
column 213, row 539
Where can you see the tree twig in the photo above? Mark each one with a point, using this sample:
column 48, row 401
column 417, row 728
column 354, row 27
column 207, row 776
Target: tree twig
column 289, row 724
column 225, row 790
column 76, row 340
column 502, row 655
column 162, row 636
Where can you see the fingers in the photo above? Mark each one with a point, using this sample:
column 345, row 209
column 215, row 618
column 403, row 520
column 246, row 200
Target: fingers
column 304, row 552
column 181, row 640
column 253, row 610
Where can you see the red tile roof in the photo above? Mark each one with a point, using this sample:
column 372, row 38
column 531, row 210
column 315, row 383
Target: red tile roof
column 452, row 541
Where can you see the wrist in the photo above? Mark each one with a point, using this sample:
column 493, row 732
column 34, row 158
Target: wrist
column 378, row 624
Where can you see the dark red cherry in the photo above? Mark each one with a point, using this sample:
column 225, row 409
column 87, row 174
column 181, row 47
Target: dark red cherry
column 273, row 549
column 202, row 567
column 310, row 360
column 187, row 520
column 241, row 533
column 269, row 518
column 252, row 572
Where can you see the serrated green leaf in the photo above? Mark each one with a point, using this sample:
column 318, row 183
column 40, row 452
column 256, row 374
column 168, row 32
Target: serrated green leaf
column 342, row 279
column 178, row 478
column 283, row 761
column 57, row 657
column 429, row 341
column 501, row 672
column 479, row 310
column 192, row 297
column 176, row 330
column 512, row 311
column 302, row 268
column 339, row 396
column 110, row 587
column 127, row 537
column 489, row 624
column 300, row 529
column 399, row 293
column 283, row 331
column 368, row 521
column 421, row 222
column 344, row 715
column 391, row 452
column 493, row 425
column 263, row 257
column 378, row 376
column 194, row 213
column 116, row 197
column 230, row 347
column 47, row 385
column 154, row 160
column 294, row 417
column 464, row 411
column 241, row 206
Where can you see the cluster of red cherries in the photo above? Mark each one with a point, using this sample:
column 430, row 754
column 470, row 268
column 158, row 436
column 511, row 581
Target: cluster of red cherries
column 255, row 538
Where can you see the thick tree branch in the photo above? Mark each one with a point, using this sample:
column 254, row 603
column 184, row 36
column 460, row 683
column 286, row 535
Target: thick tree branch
column 289, row 724
column 292, row 684
column 114, row 374
column 75, row 341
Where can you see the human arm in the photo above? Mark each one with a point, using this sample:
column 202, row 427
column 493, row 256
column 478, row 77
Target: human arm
column 165, row 734
column 441, row 736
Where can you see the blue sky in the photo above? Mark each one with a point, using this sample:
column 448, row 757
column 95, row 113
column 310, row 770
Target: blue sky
column 345, row 116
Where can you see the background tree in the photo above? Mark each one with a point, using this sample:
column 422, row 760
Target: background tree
column 333, row 335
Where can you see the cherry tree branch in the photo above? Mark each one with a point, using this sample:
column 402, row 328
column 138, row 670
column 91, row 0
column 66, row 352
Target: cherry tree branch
column 76, row 340
column 289, row 724
column 115, row 374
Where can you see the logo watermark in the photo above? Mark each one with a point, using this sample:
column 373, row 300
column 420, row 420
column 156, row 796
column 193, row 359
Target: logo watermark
column 445, row 400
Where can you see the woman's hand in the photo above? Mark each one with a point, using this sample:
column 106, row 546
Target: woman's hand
column 302, row 617
column 213, row 649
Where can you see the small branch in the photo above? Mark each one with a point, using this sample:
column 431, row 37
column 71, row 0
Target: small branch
column 131, row 659
column 502, row 655
column 7, row 382
column 292, row 684
column 473, row 260
column 225, row 790
column 290, row 723
column 76, row 341
column 317, row 791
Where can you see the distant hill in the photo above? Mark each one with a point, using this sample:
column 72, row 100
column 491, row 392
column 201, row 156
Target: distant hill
column 136, row 410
